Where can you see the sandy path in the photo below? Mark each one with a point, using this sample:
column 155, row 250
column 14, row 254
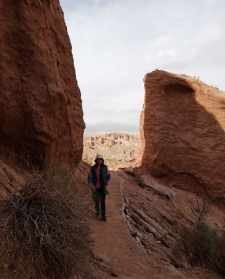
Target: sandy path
column 113, row 243
column 116, row 250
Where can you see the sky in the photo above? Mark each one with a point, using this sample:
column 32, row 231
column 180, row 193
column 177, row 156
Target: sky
column 116, row 42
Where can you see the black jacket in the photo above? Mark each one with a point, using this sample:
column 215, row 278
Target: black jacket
column 104, row 175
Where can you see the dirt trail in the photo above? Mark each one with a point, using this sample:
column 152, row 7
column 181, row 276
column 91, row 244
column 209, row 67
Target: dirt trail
column 118, row 253
column 112, row 242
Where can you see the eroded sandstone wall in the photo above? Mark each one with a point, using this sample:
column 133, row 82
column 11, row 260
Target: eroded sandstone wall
column 142, row 134
column 184, row 131
column 41, row 119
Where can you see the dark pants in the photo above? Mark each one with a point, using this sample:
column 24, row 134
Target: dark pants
column 100, row 205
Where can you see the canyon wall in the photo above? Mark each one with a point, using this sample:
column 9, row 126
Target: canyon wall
column 41, row 120
column 184, row 132
column 142, row 135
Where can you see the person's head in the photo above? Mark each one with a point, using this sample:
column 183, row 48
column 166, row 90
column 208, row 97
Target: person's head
column 99, row 160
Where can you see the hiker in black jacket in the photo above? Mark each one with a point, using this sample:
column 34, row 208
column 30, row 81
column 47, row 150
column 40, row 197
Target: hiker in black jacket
column 99, row 177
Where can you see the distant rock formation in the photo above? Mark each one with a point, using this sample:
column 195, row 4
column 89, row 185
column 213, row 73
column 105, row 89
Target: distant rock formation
column 119, row 149
column 41, row 119
column 184, row 132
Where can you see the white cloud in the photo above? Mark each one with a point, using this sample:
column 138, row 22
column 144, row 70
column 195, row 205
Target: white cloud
column 117, row 42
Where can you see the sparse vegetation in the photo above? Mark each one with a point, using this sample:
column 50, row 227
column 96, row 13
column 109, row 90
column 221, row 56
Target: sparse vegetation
column 199, row 209
column 42, row 235
column 203, row 245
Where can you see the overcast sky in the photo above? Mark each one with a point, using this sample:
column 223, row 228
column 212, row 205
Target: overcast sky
column 116, row 42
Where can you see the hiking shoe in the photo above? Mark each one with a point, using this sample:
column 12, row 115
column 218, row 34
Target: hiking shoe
column 103, row 218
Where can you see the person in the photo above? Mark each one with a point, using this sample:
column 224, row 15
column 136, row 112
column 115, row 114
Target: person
column 99, row 177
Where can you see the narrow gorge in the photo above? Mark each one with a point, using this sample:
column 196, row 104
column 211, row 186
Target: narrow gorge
column 164, row 181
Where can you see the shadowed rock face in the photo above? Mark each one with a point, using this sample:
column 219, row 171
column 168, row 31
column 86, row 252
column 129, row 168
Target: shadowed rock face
column 41, row 120
column 184, row 124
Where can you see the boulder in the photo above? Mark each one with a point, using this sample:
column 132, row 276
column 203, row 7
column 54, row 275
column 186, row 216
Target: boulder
column 183, row 129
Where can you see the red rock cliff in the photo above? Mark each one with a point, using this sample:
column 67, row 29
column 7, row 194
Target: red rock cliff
column 184, row 131
column 41, row 119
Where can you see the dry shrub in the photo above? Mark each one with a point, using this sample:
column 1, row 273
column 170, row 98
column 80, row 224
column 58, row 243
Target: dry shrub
column 199, row 244
column 199, row 209
column 204, row 246
column 42, row 235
